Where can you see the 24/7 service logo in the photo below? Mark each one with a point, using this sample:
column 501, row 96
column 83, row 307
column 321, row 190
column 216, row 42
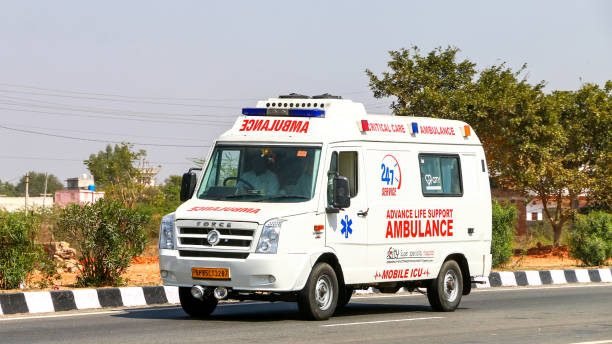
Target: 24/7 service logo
column 391, row 175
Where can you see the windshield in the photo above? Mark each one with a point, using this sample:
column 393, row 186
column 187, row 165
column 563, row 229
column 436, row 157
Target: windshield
column 261, row 174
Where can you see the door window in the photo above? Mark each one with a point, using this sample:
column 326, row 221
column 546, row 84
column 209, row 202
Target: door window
column 344, row 164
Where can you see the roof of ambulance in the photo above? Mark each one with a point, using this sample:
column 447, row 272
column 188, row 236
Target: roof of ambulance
column 338, row 120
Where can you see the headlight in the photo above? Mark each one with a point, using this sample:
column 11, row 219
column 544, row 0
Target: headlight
column 166, row 232
column 268, row 241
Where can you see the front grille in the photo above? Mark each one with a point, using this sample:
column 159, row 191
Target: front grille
column 235, row 238
column 223, row 231
column 200, row 254
column 223, row 242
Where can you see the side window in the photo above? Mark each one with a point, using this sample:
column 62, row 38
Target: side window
column 440, row 175
column 344, row 164
column 347, row 166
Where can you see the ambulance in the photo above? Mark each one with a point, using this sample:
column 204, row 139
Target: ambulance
column 307, row 199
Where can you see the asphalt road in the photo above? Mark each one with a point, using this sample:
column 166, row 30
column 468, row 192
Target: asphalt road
column 564, row 314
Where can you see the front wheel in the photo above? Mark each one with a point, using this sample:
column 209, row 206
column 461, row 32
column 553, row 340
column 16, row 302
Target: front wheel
column 444, row 293
column 197, row 308
column 318, row 299
column 344, row 297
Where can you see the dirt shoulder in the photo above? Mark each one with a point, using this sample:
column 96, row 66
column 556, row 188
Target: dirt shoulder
column 544, row 258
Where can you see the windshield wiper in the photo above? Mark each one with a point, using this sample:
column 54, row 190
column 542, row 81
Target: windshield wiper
column 241, row 195
column 283, row 197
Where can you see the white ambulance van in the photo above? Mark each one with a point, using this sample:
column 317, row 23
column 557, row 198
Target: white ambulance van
column 307, row 199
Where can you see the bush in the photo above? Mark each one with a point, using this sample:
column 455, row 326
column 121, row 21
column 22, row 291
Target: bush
column 20, row 254
column 504, row 218
column 591, row 239
column 107, row 236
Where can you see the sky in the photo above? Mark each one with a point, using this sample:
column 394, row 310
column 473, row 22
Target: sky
column 171, row 76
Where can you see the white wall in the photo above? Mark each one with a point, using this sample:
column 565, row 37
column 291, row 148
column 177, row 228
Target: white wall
column 18, row 203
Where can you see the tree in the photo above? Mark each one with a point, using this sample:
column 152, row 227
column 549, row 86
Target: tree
column 536, row 143
column 434, row 85
column 171, row 191
column 114, row 165
column 36, row 185
column 159, row 201
column 7, row 189
column 569, row 154
column 589, row 124
column 114, row 172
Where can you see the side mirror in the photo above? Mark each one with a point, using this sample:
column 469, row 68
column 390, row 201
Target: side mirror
column 342, row 193
column 188, row 184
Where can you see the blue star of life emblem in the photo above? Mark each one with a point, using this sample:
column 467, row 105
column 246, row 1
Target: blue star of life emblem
column 346, row 226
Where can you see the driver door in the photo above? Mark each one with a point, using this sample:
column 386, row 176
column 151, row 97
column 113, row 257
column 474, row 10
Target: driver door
column 346, row 230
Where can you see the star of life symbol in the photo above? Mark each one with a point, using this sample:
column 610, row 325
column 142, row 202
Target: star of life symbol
column 346, row 226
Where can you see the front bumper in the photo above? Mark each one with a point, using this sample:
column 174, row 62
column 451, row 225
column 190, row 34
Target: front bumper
column 258, row 272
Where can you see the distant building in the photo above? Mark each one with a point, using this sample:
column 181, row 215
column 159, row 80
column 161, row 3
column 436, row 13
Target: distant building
column 535, row 208
column 12, row 204
column 81, row 182
column 79, row 190
column 147, row 173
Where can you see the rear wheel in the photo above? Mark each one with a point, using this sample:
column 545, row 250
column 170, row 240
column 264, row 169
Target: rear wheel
column 319, row 298
column 444, row 293
column 195, row 307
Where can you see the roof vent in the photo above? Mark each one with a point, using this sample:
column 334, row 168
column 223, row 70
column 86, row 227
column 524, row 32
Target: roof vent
column 293, row 96
column 326, row 96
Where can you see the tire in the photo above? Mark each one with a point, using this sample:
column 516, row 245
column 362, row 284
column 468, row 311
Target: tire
column 319, row 298
column 444, row 292
column 345, row 297
column 194, row 307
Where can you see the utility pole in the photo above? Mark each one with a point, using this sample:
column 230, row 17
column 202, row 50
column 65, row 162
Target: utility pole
column 45, row 192
column 27, row 193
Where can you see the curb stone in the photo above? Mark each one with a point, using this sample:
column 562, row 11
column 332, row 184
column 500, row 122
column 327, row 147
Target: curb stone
column 78, row 299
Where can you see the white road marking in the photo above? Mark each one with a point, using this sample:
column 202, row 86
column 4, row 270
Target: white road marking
column 380, row 321
column 596, row 342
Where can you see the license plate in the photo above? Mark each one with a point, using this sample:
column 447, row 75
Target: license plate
column 210, row 273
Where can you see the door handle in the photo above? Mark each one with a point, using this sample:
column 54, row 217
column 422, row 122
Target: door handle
column 363, row 213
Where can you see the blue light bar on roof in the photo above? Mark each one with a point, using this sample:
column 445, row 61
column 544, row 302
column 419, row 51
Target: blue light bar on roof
column 254, row 111
column 283, row 112
column 306, row 113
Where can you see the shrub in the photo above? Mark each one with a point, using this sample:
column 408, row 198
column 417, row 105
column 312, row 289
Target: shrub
column 20, row 254
column 504, row 218
column 591, row 239
column 107, row 236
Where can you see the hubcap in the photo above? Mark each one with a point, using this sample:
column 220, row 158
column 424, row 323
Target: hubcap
column 324, row 292
column 450, row 285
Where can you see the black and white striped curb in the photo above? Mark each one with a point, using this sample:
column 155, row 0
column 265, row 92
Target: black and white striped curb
column 545, row 277
column 78, row 299
column 66, row 300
